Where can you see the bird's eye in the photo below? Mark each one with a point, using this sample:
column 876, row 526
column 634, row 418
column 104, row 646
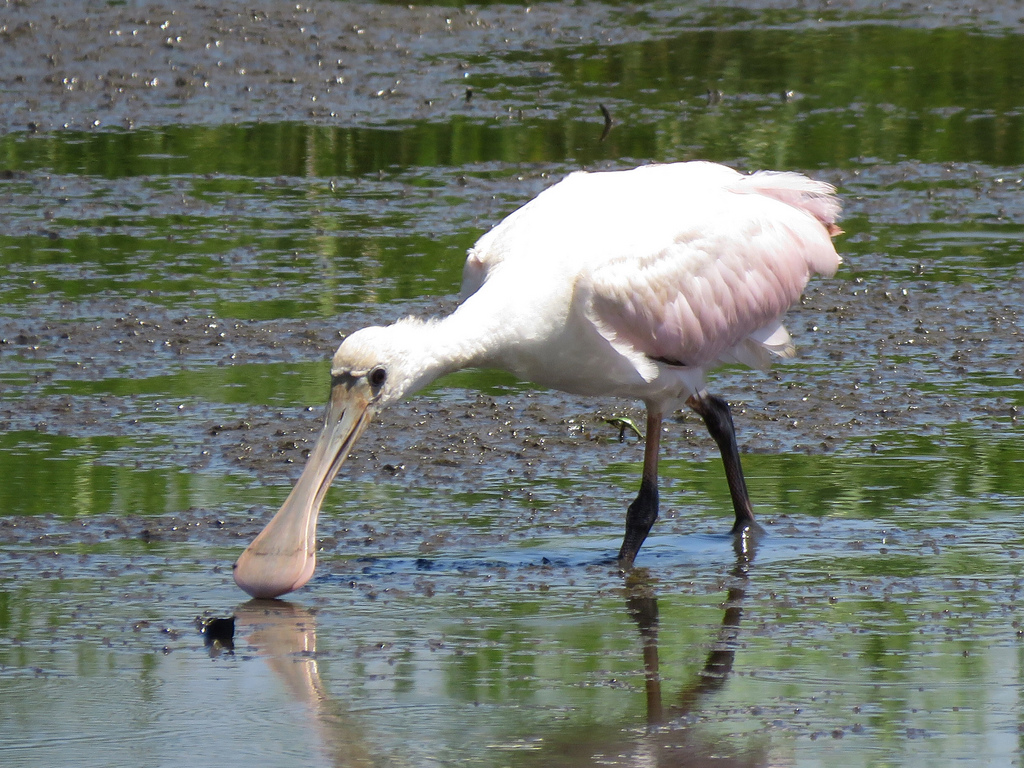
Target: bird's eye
column 377, row 377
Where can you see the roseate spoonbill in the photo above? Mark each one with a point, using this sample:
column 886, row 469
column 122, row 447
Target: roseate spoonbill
column 628, row 283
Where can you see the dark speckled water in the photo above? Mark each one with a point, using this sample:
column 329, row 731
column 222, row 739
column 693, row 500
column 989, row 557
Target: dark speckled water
column 196, row 203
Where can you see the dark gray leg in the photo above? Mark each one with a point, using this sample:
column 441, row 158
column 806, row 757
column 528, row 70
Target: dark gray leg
column 718, row 419
column 644, row 510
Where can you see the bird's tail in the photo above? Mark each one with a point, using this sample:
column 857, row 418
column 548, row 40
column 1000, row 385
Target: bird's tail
column 818, row 198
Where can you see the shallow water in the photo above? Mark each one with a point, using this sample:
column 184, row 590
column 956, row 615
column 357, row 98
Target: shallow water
column 195, row 206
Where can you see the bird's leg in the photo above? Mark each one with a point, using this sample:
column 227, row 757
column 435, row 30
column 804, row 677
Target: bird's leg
column 644, row 510
column 718, row 419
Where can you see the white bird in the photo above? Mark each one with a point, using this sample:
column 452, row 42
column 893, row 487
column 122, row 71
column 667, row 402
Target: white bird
column 625, row 283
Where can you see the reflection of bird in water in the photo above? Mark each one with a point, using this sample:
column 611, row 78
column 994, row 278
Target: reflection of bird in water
column 284, row 636
column 679, row 735
column 632, row 283
column 642, row 605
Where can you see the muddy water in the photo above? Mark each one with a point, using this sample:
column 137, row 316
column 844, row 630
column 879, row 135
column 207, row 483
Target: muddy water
column 197, row 203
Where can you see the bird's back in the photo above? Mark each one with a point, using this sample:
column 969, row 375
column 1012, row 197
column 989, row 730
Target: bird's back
column 591, row 218
column 687, row 264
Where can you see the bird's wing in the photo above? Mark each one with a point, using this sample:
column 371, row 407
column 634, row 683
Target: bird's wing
column 717, row 291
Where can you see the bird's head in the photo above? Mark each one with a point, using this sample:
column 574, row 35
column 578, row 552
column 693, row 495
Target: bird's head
column 379, row 362
column 372, row 367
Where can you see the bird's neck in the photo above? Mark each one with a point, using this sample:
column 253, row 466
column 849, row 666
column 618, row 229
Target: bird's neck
column 437, row 347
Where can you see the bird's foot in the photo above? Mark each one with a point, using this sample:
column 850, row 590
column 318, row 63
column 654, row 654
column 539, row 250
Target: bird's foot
column 748, row 526
column 746, row 536
column 627, row 554
column 640, row 519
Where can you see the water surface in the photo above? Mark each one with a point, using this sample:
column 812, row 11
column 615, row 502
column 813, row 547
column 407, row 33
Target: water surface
column 196, row 206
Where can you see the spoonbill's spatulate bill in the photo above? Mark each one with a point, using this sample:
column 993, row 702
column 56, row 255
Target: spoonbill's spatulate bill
column 624, row 283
